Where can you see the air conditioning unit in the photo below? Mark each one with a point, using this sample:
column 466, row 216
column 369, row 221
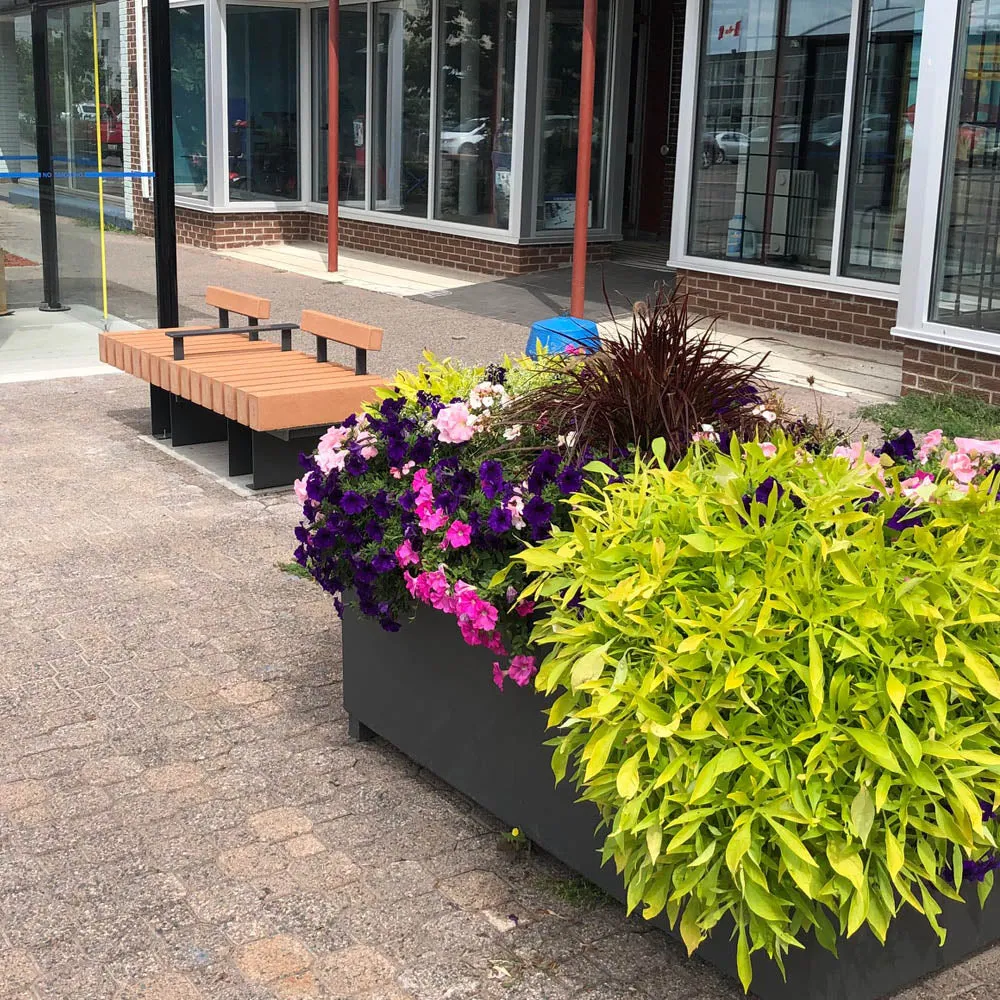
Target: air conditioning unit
column 793, row 213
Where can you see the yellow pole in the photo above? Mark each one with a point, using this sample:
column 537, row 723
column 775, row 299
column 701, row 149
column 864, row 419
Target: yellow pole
column 100, row 163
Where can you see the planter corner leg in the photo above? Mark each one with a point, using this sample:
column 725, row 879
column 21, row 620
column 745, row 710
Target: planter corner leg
column 358, row 731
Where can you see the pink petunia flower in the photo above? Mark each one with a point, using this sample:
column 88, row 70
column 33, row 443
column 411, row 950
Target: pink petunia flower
column 458, row 535
column 405, row 555
column 431, row 518
column 498, row 675
column 525, row 608
column 931, row 442
column 769, row 448
column 522, row 669
column 960, row 466
column 911, row 486
column 974, row 446
column 455, row 424
column 300, row 488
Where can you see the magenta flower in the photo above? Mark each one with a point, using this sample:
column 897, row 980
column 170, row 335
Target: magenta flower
column 458, row 535
column 498, row 675
column 525, row 608
column 431, row 518
column 522, row 669
column 405, row 555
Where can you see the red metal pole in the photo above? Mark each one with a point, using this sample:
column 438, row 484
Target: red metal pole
column 583, row 154
column 333, row 137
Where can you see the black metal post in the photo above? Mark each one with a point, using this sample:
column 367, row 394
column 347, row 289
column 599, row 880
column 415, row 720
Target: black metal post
column 43, row 147
column 162, row 121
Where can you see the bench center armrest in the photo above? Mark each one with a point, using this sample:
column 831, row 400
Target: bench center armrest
column 253, row 333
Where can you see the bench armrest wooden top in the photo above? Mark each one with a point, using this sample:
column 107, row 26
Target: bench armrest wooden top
column 343, row 331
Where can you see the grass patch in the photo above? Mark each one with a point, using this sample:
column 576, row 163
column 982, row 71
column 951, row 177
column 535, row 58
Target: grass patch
column 957, row 416
column 294, row 569
column 579, row 892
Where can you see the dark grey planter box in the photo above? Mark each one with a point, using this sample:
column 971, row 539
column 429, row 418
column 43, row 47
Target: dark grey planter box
column 433, row 697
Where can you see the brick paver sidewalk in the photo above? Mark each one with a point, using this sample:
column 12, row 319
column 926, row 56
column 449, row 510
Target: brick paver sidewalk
column 182, row 814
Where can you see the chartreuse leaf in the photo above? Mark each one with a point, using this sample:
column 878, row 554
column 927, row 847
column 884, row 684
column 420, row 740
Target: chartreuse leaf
column 788, row 725
column 863, row 813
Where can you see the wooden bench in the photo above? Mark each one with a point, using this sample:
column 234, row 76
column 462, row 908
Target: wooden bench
column 268, row 402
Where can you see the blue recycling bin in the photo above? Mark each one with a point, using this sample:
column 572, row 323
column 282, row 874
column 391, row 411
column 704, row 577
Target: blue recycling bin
column 555, row 335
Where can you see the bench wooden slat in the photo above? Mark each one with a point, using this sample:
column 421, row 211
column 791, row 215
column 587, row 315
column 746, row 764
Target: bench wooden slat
column 238, row 394
column 251, row 306
column 198, row 378
column 273, row 410
column 343, row 331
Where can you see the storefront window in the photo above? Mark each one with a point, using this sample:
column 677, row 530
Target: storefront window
column 770, row 122
column 476, row 100
column 966, row 290
column 883, row 135
column 263, row 65
column 402, row 98
column 561, row 48
column 187, row 89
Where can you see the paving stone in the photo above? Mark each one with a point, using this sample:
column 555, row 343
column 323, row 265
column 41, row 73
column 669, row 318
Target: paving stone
column 173, row 776
column 304, row 846
column 475, row 890
column 357, row 972
column 281, row 824
column 17, row 969
column 16, row 795
column 273, row 958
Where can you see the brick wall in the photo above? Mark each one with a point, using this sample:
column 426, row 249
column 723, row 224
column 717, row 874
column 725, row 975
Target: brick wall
column 767, row 305
column 932, row 368
column 224, row 231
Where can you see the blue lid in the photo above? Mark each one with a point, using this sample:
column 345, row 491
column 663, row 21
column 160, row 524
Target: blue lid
column 571, row 325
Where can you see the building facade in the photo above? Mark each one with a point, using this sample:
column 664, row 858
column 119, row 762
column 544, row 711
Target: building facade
column 830, row 167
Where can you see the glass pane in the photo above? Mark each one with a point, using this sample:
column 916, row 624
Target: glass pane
column 353, row 86
column 187, row 88
column 967, row 276
column 770, row 113
column 402, row 105
column 476, row 98
column 562, row 45
column 263, row 70
column 883, row 136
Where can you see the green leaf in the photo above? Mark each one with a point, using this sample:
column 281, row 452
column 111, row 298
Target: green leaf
column 699, row 541
column 911, row 745
column 654, row 839
column 589, row 667
column 877, row 747
column 743, row 964
column 691, row 934
column 792, row 842
column 628, row 777
column 863, row 813
column 896, row 690
column 739, row 844
column 845, row 861
column 894, row 858
column 599, row 748
column 816, row 687
column 983, row 671
column 763, row 903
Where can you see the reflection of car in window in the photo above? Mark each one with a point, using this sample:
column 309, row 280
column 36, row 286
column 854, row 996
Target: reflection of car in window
column 466, row 138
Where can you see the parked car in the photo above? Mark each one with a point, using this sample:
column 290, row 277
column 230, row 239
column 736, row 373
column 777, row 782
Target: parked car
column 727, row 146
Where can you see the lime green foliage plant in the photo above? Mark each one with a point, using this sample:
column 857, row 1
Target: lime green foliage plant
column 786, row 711
column 448, row 379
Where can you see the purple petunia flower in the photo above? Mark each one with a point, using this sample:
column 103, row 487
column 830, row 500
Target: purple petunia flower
column 570, row 480
column 905, row 517
column 499, row 520
column 374, row 530
column 384, row 562
column 381, row 504
column 395, row 452
column 491, row 478
column 900, row 449
column 538, row 513
column 355, row 465
column 352, row 502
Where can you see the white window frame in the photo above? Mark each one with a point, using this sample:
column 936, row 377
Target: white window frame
column 687, row 146
column 928, row 173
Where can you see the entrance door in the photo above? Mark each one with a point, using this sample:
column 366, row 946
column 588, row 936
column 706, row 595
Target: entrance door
column 649, row 100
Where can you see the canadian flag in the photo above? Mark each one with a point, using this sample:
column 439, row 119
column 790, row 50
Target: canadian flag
column 730, row 30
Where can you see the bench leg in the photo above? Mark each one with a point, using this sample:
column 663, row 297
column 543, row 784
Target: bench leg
column 193, row 424
column 159, row 412
column 240, row 449
column 276, row 462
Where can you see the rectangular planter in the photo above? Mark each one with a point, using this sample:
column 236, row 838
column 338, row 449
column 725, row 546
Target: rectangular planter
column 433, row 697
